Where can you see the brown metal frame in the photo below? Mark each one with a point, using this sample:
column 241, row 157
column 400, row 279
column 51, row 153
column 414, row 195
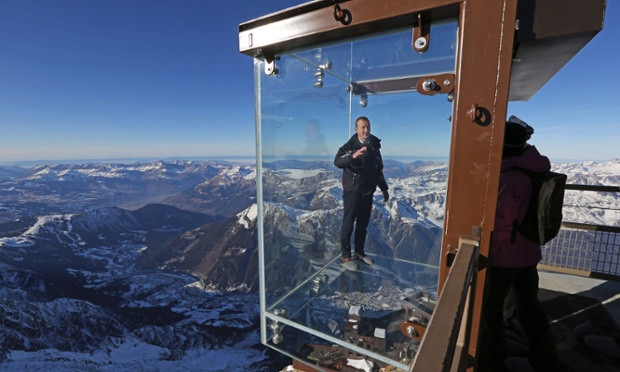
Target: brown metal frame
column 315, row 23
column 481, row 83
column 482, row 86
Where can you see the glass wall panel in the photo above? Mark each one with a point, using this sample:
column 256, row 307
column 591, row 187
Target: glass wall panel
column 315, row 310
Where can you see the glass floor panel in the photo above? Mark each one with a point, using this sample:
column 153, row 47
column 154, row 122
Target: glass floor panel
column 361, row 311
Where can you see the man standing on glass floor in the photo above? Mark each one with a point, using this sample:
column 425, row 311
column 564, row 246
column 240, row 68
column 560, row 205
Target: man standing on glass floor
column 362, row 171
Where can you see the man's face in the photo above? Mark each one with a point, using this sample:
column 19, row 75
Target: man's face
column 362, row 128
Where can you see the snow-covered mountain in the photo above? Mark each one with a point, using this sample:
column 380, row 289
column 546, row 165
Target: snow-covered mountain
column 154, row 266
column 73, row 286
column 597, row 208
column 10, row 172
column 80, row 291
column 226, row 192
column 73, row 188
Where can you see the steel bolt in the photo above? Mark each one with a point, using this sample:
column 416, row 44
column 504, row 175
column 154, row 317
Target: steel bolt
column 420, row 43
column 429, row 85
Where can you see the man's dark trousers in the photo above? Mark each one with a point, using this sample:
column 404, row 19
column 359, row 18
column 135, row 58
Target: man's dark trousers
column 357, row 207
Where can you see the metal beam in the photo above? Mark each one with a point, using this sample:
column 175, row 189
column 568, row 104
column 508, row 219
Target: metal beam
column 316, row 23
column 483, row 69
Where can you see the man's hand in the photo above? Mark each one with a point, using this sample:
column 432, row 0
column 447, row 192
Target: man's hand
column 359, row 153
column 386, row 196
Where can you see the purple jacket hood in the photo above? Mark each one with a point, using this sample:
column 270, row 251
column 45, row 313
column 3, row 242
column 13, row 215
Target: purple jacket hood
column 531, row 159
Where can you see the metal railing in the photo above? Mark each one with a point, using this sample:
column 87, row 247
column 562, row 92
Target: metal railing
column 585, row 249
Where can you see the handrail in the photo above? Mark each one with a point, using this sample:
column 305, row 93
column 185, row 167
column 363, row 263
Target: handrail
column 586, row 226
column 592, row 188
column 438, row 350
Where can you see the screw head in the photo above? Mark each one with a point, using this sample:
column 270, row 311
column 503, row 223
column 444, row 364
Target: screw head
column 429, row 85
column 419, row 43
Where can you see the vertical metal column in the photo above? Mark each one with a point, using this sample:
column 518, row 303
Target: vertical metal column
column 484, row 57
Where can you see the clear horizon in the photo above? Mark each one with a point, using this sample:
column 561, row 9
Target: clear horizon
column 237, row 159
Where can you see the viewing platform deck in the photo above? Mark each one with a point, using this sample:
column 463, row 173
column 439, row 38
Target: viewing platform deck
column 580, row 311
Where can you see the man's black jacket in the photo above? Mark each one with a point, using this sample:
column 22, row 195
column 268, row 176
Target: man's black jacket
column 364, row 173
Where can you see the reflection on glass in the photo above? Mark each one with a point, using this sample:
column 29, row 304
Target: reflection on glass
column 316, row 311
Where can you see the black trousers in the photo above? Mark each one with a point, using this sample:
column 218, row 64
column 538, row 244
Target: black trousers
column 357, row 207
column 542, row 353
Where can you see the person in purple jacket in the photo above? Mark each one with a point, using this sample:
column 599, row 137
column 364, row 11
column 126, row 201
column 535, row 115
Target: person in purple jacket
column 513, row 258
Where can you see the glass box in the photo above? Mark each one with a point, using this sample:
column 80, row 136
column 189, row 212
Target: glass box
column 312, row 309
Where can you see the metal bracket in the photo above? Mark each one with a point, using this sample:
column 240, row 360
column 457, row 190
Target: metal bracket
column 421, row 35
column 431, row 85
column 413, row 330
column 357, row 89
column 473, row 239
column 270, row 62
column 450, row 255
column 483, row 262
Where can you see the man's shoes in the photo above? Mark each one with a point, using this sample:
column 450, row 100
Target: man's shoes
column 348, row 263
column 365, row 259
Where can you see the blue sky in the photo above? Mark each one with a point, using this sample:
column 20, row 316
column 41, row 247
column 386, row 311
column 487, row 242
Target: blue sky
column 576, row 115
column 156, row 79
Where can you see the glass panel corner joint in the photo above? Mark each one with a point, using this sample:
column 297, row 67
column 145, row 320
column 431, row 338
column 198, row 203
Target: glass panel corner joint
column 270, row 61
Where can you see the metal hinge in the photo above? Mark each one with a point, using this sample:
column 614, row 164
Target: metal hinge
column 431, row 85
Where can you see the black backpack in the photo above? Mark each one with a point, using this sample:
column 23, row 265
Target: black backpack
column 543, row 217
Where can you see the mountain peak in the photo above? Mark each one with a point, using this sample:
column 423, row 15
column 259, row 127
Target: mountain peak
column 247, row 218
